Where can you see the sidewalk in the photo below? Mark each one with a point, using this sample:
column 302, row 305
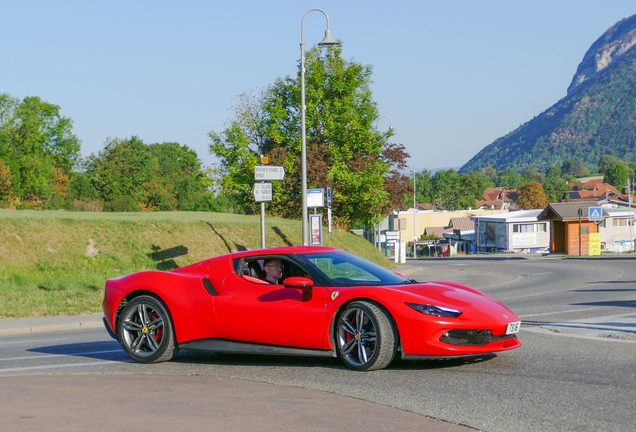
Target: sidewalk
column 20, row 326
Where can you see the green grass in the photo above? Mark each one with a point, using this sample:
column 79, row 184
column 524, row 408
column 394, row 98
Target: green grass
column 46, row 267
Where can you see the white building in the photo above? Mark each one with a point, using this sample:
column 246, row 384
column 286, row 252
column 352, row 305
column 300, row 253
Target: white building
column 517, row 231
column 615, row 231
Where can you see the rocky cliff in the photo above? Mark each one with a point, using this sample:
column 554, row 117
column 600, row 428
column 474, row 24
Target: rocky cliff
column 614, row 43
column 597, row 117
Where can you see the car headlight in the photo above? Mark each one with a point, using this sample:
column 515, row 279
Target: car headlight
column 435, row 310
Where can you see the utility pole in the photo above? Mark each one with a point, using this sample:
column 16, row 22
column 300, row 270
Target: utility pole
column 414, row 210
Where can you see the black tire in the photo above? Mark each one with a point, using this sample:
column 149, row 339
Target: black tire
column 365, row 336
column 146, row 332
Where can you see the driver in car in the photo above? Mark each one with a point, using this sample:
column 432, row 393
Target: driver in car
column 273, row 270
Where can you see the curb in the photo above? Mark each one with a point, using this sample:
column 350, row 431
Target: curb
column 22, row 326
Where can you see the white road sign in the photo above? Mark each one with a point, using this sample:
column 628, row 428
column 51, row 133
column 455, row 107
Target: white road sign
column 262, row 192
column 315, row 197
column 268, row 172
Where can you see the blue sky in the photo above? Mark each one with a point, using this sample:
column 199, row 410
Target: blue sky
column 453, row 76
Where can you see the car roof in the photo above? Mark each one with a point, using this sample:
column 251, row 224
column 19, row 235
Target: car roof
column 287, row 250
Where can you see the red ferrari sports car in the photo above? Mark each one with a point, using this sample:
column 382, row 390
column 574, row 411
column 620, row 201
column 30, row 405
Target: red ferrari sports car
column 313, row 301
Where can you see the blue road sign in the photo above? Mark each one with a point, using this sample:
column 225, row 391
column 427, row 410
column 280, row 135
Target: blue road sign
column 328, row 197
column 595, row 214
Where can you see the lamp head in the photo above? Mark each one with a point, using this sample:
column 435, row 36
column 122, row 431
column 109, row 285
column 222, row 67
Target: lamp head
column 328, row 40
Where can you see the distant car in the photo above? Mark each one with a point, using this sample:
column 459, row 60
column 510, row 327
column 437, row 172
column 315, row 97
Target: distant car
column 330, row 303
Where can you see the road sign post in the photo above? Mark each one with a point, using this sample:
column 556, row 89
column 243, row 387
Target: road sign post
column 315, row 197
column 315, row 229
column 329, row 213
column 266, row 172
column 595, row 214
column 263, row 191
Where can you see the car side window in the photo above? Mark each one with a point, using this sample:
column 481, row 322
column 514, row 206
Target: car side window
column 253, row 269
column 343, row 271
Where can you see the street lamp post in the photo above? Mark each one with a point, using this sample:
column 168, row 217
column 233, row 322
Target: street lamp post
column 414, row 209
column 328, row 40
column 630, row 184
column 377, row 127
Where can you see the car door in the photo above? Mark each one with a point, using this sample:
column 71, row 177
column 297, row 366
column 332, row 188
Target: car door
column 271, row 314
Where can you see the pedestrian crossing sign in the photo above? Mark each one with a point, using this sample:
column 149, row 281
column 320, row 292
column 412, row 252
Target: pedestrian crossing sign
column 595, row 214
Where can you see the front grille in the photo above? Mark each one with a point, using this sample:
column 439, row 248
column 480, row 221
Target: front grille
column 462, row 337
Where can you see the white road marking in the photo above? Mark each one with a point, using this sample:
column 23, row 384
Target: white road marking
column 22, row 342
column 612, row 328
column 100, row 363
column 61, row 355
column 556, row 313
column 568, row 289
column 548, row 332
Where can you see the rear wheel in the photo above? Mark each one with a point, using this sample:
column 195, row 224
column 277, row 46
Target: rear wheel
column 365, row 338
column 145, row 331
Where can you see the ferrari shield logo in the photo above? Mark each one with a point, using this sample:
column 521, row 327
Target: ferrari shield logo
column 334, row 295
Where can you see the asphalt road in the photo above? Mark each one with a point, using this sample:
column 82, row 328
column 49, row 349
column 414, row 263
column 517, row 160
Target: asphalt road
column 574, row 372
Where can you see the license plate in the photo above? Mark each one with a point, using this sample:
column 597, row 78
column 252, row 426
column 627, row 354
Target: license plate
column 513, row 327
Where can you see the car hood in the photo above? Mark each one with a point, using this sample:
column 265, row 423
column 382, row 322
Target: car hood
column 471, row 302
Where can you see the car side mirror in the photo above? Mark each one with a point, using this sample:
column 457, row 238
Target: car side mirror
column 300, row 283
column 297, row 282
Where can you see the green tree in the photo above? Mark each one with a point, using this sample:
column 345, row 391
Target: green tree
column 132, row 176
column 490, row 173
column 444, row 185
column 509, row 179
column 616, row 175
column 35, row 140
column 344, row 149
column 605, row 162
column 532, row 175
column 555, row 187
column 423, row 188
column 180, row 170
column 572, row 167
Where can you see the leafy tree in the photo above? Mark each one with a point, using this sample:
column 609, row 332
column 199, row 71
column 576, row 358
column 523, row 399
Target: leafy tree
column 129, row 175
column 5, row 180
column 530, row 195
column 344, row 150
column 424, row 191
column 453, row 191
column 509, row 179
column 35, row 140
column 555, row 187
column 605, row 162
column 444, row 185
column 532, row 175
column 552, row 172
column 7, row 199
column 490, row 173
column 180, row 172
column 572, row 167
column 616, row 175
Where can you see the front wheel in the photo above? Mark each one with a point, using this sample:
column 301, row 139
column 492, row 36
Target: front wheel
column 145, row 331
column 365, row 339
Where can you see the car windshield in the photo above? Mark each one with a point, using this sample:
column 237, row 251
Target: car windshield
column 345, row 269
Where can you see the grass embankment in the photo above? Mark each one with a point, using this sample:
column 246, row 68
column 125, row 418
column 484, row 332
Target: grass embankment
column 55, row 263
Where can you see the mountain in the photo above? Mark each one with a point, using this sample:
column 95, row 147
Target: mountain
column 597, row 117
